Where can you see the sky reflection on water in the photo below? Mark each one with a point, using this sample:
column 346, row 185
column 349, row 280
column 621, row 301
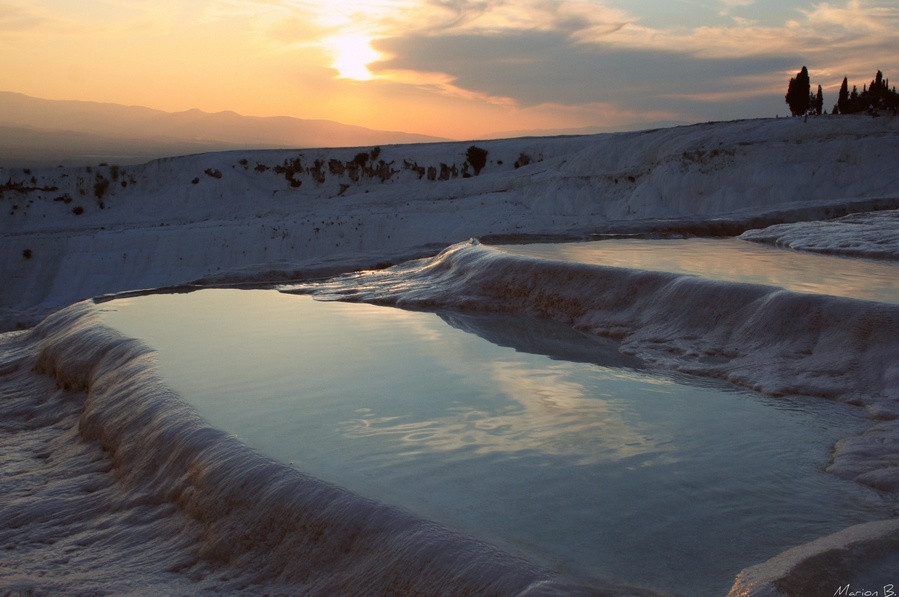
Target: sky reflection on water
column 734, row 260
column 543, row 440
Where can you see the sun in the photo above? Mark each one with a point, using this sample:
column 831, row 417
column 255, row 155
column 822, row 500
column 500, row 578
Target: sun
column 351, row 55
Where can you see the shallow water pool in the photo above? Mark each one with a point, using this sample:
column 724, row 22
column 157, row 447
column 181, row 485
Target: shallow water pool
column 521, row 432
column 734, row 260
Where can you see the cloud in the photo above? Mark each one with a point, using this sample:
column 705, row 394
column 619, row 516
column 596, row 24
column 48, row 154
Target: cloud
column 856, row 17
column 17, row 18
column 529, row 72
column 90, row 20
column 575, row 53
column 822, row 28
column 500, row 16
column 728, row 6
column 524, row 52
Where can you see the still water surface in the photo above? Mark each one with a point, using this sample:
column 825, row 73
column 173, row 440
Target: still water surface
column 521, row 432
column 735, row 260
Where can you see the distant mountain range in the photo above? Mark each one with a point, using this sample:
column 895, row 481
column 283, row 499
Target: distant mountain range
column 39, row 132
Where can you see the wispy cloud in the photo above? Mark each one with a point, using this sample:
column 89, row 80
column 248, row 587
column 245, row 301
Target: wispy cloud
column 728, row 6
column 18, row 18
column 854, row 16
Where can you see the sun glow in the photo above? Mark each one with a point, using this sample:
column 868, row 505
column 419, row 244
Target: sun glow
column 352, row 55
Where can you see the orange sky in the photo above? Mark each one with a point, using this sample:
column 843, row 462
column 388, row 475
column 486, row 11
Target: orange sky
column 451, row 68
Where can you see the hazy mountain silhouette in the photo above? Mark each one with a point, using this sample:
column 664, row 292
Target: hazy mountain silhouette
column 40, row 132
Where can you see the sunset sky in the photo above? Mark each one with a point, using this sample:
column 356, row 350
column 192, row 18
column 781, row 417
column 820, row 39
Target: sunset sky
column 452, row 68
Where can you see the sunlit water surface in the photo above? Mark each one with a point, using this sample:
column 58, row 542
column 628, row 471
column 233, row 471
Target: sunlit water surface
column 735, row 260
column 543, row 441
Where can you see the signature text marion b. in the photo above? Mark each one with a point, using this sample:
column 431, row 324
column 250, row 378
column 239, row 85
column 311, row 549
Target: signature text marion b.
column 847, row 591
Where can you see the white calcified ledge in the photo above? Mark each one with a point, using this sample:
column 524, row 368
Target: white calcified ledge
column 67, row 234
column 871, row 235
column 821, row 567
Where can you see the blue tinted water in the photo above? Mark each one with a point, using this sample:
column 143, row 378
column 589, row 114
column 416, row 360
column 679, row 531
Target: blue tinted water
column 521, row 432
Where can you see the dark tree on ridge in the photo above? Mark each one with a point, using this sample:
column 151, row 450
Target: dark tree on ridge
column 843, row 98
column 798, row 93
column 477, row 157
column 873, row 98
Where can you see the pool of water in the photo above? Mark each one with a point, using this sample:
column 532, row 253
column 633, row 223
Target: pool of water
column 735, row 260
column 524, row 433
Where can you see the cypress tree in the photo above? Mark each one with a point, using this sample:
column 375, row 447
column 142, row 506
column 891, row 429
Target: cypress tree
column 879, row 91
column 798, row 93
column 843, row 99
column 819, row 102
